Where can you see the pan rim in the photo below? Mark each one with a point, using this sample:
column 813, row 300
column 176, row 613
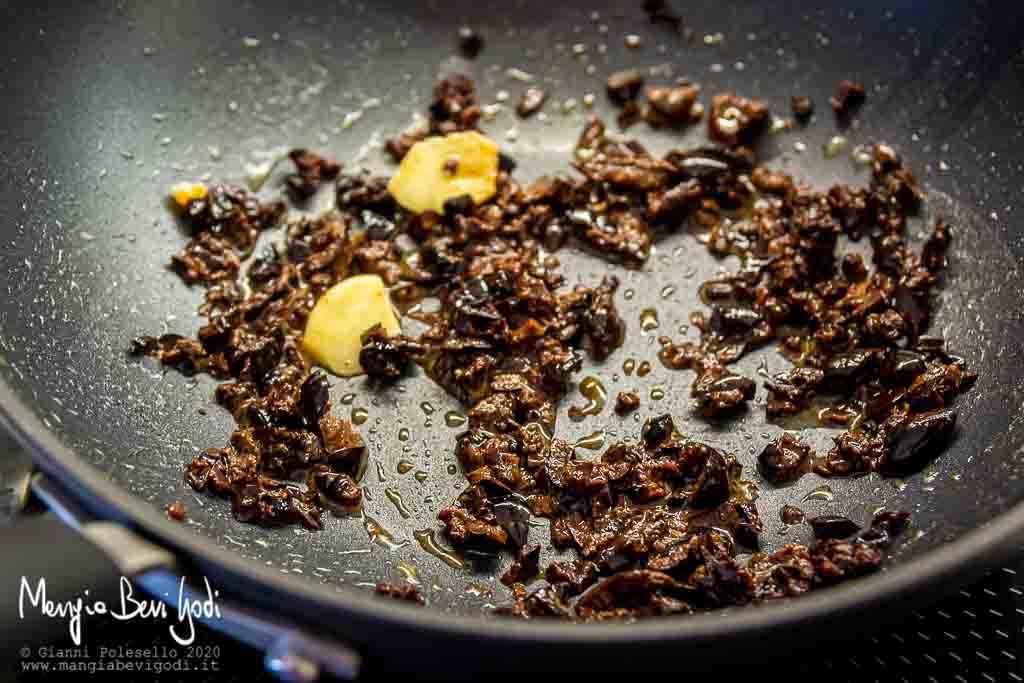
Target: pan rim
column 961, row 559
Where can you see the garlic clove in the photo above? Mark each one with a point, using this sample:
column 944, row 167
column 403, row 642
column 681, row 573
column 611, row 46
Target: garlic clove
column 333, row 336
column 437, row 169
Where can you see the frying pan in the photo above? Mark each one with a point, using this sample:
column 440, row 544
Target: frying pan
column 106, row 105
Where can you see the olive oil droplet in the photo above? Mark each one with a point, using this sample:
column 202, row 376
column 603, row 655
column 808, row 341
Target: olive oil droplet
column 454, row 418
column 592, row 390
column 408, row 571
column 380, row 535
column 396, row 499
column 648, row 320
column 592, row 442
column 823, row 492
column 360, row 415
column 425, row 537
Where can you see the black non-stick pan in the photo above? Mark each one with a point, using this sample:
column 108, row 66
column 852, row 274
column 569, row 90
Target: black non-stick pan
column 105, row 105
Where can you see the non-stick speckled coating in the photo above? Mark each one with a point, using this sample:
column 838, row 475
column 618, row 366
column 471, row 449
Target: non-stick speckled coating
column 105, row 107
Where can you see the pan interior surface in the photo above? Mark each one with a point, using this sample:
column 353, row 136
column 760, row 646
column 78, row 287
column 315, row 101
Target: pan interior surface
column 107, row 108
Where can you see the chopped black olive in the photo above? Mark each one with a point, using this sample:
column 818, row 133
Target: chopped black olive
column 917, row 442
column 506, row 163
column 802, row 106
column 657, row 429
column 314, row 395
column 832, row 526
column 749, row 525
column 524, row 567
column 514, row 518
column 531, row 102
column 672, row 105
column 885, row 526
column 624, row 86
column 458, row 206
column 311, row 169
column 713, row 484
column 404, row 593
column 382, row 357
column 176, row 511
column 849, row 95
column 335, row 489
column 470, row 42
column 791, row 514
column 735, row 120
column 659, row 13
column 626, row 402
column 785, row 460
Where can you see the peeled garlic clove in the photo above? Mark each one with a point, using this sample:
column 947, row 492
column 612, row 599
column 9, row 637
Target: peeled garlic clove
column 183, row 193
column 441, row 168
column 339, row 319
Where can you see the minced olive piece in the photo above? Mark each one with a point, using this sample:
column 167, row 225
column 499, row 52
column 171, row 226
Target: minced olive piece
column 470, row 42
column 403, row 593
column 176, row 511
column 624, row 86
column 626, row 402
column 802, row 106
column 531, row 102
column 849, row 95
